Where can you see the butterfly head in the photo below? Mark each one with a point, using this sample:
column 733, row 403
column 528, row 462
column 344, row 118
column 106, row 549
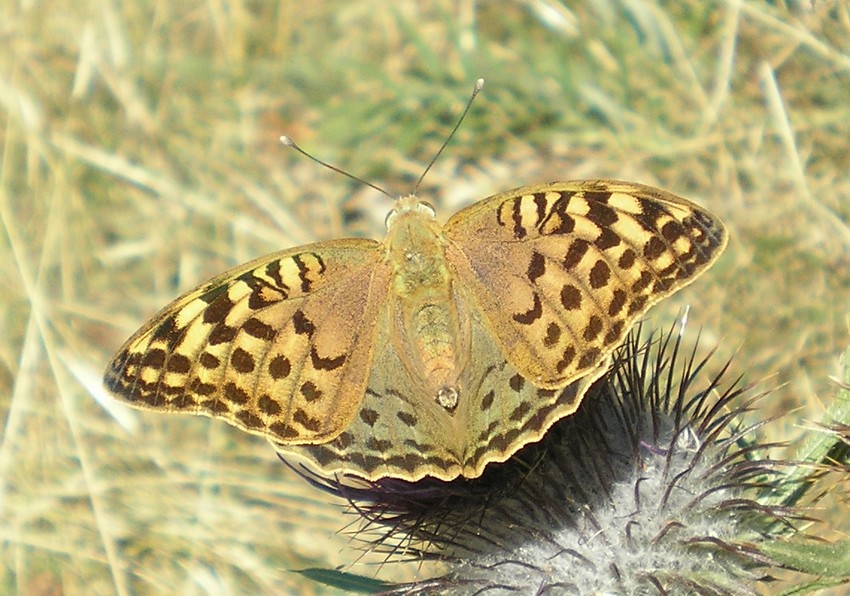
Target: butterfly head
column 408, row 207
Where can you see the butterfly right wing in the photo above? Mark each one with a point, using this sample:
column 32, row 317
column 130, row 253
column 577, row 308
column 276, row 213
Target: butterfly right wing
column 562, row 271
column 280, row 347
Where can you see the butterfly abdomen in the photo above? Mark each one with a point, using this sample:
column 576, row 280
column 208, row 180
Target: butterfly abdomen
column 431, row 340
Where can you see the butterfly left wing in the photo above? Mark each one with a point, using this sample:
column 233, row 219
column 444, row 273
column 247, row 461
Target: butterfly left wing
column 280, row 347
column 561, row 271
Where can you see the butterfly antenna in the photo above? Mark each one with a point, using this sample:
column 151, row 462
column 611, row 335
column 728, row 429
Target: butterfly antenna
column 290, row 143
column 479, row 85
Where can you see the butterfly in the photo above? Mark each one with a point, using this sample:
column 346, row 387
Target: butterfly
column 442, row 349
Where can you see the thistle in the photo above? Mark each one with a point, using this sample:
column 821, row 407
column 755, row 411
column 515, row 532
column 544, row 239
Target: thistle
column 655, row 485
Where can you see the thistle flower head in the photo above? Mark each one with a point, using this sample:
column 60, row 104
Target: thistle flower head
column 653, row 486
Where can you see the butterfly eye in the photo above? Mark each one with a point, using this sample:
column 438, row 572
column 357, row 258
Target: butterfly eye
column 427, row 208
column 390, row 218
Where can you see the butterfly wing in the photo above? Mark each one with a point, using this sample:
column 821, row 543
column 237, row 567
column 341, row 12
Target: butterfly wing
column 400, row 432
column 561, row 271
column 281, row 346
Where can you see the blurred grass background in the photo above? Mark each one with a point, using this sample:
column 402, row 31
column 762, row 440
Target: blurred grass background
column 140, row 157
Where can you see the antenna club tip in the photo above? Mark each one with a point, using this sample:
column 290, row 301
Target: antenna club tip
column 479, row 85
column 286, row 141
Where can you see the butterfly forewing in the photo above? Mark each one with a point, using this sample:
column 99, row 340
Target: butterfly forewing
column 561, row 271
column 281, row 346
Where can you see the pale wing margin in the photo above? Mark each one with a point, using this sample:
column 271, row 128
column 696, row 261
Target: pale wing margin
column 280, row 346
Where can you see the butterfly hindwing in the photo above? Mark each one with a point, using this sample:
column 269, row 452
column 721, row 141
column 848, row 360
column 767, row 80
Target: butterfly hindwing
column 400, row 432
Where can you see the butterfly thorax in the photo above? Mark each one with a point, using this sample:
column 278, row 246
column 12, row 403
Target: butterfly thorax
column 432, row 339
